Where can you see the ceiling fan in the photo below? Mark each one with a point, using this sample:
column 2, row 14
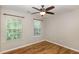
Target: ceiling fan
column 43, row 10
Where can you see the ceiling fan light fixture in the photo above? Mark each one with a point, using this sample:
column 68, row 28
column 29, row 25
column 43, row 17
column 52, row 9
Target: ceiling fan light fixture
column 42, row 13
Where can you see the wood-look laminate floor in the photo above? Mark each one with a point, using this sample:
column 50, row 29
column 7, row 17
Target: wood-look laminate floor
column 43, row 48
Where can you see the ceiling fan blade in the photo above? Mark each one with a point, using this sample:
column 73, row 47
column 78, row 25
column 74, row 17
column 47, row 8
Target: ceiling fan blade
column 50, row 13
column 49, row 8
column 36, row 8
column 35, row 12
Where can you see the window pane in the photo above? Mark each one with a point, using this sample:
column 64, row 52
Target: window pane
column 14, row 27
column 37, row 27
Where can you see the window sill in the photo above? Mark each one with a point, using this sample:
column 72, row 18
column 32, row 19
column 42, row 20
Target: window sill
column 36, row 36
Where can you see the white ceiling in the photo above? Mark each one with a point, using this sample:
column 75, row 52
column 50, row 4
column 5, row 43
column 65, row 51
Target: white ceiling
column 59, row 9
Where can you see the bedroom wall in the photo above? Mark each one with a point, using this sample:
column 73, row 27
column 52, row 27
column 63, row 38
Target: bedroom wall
column 63, row 29
column 27, row 37
column 0, row 26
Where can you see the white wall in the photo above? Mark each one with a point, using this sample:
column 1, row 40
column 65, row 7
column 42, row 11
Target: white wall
column 0, row 26
column 28, row 36
column 64, row 29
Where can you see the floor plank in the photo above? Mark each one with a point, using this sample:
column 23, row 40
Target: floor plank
column 43, row 48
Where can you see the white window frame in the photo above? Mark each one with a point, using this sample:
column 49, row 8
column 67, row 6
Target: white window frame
column 40, row 29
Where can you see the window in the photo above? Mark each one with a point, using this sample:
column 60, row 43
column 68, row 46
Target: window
column 37, row 27
column 14, row 27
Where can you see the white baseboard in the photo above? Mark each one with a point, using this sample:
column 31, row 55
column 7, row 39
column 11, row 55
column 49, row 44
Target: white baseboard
column 21, row 46
column 63, row 46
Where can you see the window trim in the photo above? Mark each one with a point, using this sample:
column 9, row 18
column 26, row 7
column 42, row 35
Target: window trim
column 33, row 29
